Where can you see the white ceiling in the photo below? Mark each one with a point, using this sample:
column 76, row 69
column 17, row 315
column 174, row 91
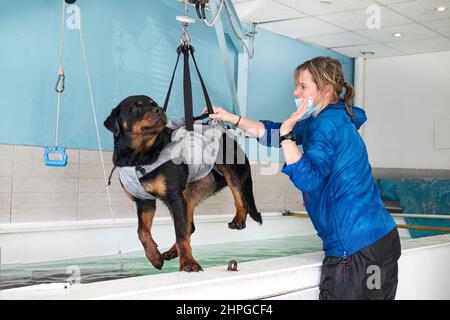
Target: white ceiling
column 341, row 25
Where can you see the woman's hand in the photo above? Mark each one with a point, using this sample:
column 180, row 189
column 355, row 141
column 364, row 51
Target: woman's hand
column 221, row 114
column 289, row 124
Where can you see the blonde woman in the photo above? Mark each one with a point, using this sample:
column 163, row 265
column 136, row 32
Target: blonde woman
column 360, row 238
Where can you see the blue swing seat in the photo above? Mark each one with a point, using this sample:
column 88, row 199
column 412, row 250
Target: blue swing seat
column 55, row 157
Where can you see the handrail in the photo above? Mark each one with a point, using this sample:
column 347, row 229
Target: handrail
column 424, row 228
column 402, row 226
column 421, row 215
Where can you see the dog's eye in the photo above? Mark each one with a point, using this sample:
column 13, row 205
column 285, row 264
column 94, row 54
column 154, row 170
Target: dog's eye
column 137, row 110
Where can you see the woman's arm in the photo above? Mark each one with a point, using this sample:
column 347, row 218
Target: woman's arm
column 290, row 152
column 252, row 127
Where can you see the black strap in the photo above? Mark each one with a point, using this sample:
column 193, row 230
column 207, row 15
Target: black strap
column 166, row 103
column 205, row 91
column 187, row 88
column 110, row 176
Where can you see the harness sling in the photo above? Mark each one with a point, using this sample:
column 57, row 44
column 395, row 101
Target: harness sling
column 185, row 48
column 186, row 143
column 198, row 149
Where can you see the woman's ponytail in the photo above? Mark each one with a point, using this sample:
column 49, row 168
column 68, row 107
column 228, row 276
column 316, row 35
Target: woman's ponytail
column 348, row 99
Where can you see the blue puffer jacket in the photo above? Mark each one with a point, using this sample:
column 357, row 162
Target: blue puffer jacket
column 335, row 178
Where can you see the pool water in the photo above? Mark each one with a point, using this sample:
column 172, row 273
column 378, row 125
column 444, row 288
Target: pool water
column 136, row 264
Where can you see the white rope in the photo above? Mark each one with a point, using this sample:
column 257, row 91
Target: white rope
column 61, row 53
column 57, row 119
column 61, row 70
column 213, row 22
column 100, row 145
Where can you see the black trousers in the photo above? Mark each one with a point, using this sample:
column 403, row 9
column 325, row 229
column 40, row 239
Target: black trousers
column 369, row 274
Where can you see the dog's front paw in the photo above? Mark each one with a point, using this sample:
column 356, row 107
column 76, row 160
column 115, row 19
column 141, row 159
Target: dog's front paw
column 155, row 258
column 170, row 254
column 236, row 225
column 190, row 265
column 157, row 262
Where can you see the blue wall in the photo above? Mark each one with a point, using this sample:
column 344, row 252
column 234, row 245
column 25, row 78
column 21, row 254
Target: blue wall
column 271, row 80
column 131, row 50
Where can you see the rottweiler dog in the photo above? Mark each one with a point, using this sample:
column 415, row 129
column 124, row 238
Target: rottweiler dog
column 140, row 133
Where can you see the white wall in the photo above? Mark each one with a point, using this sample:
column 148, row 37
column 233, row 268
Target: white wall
column 404, row 96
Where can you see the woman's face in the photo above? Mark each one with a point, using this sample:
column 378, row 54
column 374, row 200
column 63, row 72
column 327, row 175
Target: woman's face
column 306, row 87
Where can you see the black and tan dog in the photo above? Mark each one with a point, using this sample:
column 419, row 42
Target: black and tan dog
column 140, row 133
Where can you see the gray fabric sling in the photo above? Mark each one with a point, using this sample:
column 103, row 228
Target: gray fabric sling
column 198, row 149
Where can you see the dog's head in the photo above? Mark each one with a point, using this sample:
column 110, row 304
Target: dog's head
column 137, row 122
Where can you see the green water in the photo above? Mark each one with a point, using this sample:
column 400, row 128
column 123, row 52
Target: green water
column 136, row 264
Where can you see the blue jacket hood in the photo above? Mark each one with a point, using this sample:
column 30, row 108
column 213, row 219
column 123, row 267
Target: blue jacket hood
column 360, row 114
column 361, row 117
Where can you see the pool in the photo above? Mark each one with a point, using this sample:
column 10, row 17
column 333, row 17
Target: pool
column 424, row 264
column 281, row 258
column 33, row 254
column 135, row 263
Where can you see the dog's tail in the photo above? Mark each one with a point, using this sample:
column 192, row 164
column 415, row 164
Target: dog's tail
column 250, row 200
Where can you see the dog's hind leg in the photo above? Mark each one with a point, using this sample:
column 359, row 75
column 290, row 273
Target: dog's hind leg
column 146, row 212
column 247, row 187
column 236, row 187
column 194, row 194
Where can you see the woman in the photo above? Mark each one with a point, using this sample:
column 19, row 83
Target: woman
column 360, row 238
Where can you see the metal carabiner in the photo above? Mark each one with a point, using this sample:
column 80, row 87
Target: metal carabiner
column 185, row 38
column 60, row 82
column 185, row 21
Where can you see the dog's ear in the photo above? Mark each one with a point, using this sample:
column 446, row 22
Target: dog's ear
column 112, row 122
